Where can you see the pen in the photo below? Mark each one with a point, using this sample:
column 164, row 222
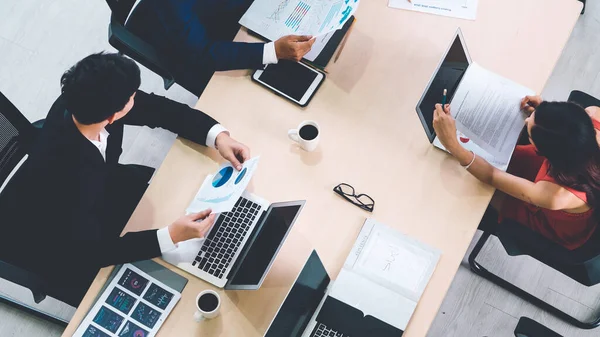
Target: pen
column 444, row 97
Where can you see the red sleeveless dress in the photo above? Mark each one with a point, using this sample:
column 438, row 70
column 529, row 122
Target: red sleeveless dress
column 570, row 230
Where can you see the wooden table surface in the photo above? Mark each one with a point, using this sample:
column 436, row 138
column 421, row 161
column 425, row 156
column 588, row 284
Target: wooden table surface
column 371, row 138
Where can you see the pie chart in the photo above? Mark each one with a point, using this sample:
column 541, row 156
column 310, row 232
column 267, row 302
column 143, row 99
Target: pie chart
column 222, row 177
column 240, row 176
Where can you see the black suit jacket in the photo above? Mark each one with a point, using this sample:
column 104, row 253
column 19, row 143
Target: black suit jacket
column 56, row 205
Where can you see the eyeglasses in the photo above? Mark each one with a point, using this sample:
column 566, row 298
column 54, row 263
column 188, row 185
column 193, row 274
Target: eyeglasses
column 363, row 201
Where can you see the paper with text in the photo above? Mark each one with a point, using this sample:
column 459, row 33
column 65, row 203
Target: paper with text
column 462, row 9
column 222, row 190
column 277, row 18
column 487, row 110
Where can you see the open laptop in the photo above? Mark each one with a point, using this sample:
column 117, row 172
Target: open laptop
column 447, row 75
column 488, row 105
column 357, row 304
column 242, row 244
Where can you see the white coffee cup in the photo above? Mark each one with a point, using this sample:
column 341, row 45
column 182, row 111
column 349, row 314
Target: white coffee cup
column 306, row 135
column 200, row 314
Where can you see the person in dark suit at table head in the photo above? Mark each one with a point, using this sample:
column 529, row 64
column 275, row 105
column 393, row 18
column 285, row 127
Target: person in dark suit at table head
column 71, row 199
column 196, row 35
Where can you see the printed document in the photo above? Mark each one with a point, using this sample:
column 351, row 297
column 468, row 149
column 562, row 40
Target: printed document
column 462, row 9
column 487, row 110
column 220, row 191
column 273, row 19
column 394, row 268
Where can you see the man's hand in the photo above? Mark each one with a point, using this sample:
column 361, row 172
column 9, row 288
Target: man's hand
column 188, row 227
column 445, row 127
column 233, row 151
column 530, row 103
column 293, row 47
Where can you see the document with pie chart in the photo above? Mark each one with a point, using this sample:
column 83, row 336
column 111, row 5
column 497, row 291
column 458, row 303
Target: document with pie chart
column 220, row 191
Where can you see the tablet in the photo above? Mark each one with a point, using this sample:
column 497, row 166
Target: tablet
column 292, row 80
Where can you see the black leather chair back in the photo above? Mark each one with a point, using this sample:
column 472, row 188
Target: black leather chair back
column 530, row 328
column 16, row 137
column 131, row 45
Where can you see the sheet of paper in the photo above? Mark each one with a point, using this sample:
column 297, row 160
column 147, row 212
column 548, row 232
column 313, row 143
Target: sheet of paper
column 392, row 259
column 487, row 110
column 470, row 145
column 318, row 46
column 276, row 18
column 373, row 299
column 462, row 9
column 222, row 190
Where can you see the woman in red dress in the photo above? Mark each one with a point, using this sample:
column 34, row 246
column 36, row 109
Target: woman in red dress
column 553, row 184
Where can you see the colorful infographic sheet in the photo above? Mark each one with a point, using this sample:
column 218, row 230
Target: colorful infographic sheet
column 276, row 18
column 220, row 191
column 133, row 305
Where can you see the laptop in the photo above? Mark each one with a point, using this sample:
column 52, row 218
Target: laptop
column 242, row 244
column 359, row 303
column 485, row 101
column 447, row 75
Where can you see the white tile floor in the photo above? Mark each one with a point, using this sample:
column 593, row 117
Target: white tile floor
column 40, row 39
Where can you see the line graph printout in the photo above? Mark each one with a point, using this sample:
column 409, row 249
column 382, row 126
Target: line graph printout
column 276, row 18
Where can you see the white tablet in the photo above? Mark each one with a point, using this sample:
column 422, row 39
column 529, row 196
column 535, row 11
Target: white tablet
column 292, row 80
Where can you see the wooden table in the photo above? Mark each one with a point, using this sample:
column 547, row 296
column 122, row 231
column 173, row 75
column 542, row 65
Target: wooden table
column 371, row 138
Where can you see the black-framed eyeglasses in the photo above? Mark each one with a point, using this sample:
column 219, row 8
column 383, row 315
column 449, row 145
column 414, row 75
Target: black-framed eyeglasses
column 363, row 201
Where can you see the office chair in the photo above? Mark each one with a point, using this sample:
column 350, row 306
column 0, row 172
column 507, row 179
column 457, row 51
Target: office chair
column 128, row 43
column 530, row 328
column 581, row 264
column 16, row 138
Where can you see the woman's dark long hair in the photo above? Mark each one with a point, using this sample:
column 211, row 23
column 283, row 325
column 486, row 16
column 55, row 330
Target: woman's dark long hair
column 563, row 132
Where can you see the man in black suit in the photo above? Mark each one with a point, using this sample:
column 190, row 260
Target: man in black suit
column 195, row 37
column 68, row 204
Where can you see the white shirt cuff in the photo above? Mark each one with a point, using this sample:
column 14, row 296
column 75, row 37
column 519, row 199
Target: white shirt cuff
column 164, row 240
column 211, row 137
column 269, row 54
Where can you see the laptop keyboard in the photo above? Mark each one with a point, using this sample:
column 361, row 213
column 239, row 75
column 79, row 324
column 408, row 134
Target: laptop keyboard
column 225, row 238
column 322, row 330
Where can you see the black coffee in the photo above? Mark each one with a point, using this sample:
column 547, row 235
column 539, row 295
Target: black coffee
column 208, row 302
column 309, row 132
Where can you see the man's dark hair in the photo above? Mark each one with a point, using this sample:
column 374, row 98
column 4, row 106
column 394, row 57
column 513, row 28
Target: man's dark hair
column 99, row 86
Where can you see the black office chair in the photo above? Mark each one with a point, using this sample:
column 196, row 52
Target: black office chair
column 128, row 43
column 583, row 10
column 581, row 264
column 530, row 328
column 16, row 138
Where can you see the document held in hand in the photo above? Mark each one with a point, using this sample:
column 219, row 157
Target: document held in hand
column 486, row 107
column 274, row 19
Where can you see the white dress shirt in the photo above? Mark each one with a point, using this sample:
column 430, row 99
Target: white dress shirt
column 269, row 54
column 164, row 238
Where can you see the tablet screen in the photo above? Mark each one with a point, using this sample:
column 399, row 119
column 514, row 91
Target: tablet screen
column 291, row 78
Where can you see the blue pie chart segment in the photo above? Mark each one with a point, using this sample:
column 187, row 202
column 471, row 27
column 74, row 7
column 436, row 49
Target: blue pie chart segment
column 222, row 177
column 240, row 176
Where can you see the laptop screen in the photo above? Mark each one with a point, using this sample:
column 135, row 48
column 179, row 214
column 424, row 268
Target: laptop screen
column 448, row 76
column 256, row 260
column 302, row 301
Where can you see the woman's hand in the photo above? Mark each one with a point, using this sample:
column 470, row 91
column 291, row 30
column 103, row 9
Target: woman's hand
column 530, row 103
column 445, row 127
